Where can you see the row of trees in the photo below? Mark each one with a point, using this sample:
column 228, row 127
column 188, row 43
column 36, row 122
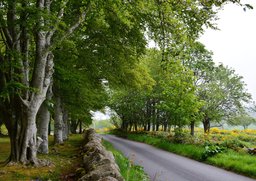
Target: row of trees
column 54, row 55
column 189, row 90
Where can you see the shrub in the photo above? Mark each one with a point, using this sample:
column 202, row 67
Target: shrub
column 234, row 144
column 211, row 150
column 179, row 136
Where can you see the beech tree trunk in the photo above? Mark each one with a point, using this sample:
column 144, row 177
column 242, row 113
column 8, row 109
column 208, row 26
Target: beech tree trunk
column 58, row 121
column 65, row 130
column 73, row 126
column 43, row 120
column 49, row 127
column 80, row 126
column 22, row 131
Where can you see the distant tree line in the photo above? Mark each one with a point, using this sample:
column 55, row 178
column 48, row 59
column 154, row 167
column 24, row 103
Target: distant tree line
column 189, row 90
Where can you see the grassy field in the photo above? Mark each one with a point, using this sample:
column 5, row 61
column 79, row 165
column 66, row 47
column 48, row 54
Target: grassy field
column 222, row 148
column 64, row 158
column 129, row 171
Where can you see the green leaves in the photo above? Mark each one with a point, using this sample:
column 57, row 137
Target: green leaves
column 179, row 98
column 227, row 92
column 211, row 150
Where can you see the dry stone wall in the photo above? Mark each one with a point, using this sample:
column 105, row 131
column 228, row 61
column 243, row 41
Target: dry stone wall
column 99, row 164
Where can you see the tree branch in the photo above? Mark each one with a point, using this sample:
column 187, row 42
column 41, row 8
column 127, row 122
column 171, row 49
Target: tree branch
column 6, row 37
column 40, row 4
column 47, row 5
column 25, row 102
column 72, row 28
column 59, row 17
column 81, row 18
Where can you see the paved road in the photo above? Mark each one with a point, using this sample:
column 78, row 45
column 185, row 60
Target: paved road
column 165, row 166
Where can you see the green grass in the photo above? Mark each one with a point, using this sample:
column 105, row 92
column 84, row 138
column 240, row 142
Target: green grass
column 4, row 148
column 241, row 163
column 128, row 170
column 64, row 158
column 237, row 162
column 191, row 151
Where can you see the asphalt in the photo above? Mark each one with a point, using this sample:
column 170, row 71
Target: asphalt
column 164, row 166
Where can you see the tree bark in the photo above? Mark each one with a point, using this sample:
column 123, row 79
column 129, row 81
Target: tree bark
column 145, row 127
column 58, row 121
column 192, row 128
column 43, row 120
column 49, row 127
column 22, row 131
column 80, row 127
column 207, row 126
column 65, row 130
column 73, row 126
column 165, row 126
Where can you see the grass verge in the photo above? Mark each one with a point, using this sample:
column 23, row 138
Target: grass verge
column 191, row 151
column 64, row 158
column 241, row 163
column 129, row 171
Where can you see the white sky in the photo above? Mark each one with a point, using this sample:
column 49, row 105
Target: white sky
column 98, row 115
column 235, row 43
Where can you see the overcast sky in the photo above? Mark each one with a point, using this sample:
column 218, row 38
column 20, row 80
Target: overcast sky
column 235, row 43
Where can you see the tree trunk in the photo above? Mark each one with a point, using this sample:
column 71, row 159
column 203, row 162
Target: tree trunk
column 153, row 126
column 165, row 126
column 43, row 120
column 58, row 122
column 157, row 120
column 148, row 115
column 148, row 128
column 30, row 145
column 135, row 126
column 192, row 128
column 49, row 127
column 157, row 127
column 80, row 127
column 73, row 126
column 145, row 127
column 153, row 114
column 65, row 125
column 206, row 123
column 24, row 142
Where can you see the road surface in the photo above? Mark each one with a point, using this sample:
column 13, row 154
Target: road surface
column 165, row 166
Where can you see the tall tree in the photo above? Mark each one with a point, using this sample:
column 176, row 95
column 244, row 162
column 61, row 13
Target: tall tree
column 179, row 96
column 224, row 94
column 243, row 119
